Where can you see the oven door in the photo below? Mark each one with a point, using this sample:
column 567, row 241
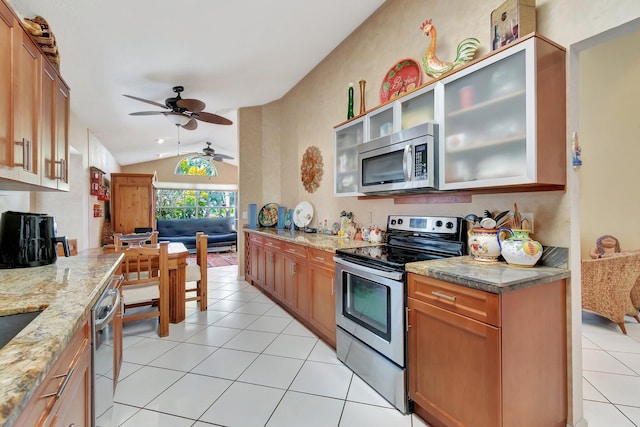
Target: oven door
column 370, row 307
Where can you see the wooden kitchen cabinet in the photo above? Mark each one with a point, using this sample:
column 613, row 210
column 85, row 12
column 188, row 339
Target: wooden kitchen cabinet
column 482, row 359
column 133, row 202
column 64, row 397
column 503, row 119
column 54, row 129
column 302, row 280
column 296, row 290
column 322, row 293
column 273, row 268
column 34, row 113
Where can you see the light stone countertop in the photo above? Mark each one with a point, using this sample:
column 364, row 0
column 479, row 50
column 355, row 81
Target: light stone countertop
column 66, row 291
column 497, row 278
column 313, row 240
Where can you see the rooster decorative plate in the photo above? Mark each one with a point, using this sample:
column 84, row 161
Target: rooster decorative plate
column 311, row 169
column 406, row 75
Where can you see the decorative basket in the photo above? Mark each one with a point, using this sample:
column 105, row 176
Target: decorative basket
column 42, row 35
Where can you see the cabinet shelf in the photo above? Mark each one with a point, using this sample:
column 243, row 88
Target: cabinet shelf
column 486, row 104
column 488, row 144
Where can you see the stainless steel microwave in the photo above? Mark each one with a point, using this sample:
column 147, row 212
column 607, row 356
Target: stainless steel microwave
column 404, row 161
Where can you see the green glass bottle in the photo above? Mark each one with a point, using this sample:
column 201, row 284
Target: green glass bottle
column 350, row 110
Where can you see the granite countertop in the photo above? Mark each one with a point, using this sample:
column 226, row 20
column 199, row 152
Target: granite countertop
column 323, row 242
column 497, row 278
column 66, row 291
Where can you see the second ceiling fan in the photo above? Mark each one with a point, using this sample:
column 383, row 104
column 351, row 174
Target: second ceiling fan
column 182, row 112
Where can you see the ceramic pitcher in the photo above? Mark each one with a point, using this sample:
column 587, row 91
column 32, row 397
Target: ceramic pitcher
column 483, row 245
column 519, row 249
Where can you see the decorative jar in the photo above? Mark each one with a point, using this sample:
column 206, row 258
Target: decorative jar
column 519, row 249
column 483, row 244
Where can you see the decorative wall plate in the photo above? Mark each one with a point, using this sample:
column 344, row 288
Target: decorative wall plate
column 268, row 215
column 311, row 169
column 302, row 214
column 406, row 75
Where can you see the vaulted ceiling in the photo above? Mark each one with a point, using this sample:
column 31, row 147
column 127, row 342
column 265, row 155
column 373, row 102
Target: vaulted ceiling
column 229, row 54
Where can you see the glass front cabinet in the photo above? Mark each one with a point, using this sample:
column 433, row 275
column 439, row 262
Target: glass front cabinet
column 503, row 119
column 347, row 138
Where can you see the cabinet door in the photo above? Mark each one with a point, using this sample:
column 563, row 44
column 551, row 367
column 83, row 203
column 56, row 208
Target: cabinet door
column 322, row 307
column 296, row 295
column 347, row 138
column 417, row 107
column 133, row 202
column 274, row 267
column 383, row 121
column 454, row 366
column 257, row 263
column 7, row 28
column 62, row 105
column 26, row 103
column 503, row 114
column 75, row 402
column 48, row 126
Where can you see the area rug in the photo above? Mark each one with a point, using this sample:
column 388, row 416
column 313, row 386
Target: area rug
column 219, row 259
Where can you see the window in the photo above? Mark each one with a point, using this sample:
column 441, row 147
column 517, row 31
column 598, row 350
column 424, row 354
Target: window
column 185, row 204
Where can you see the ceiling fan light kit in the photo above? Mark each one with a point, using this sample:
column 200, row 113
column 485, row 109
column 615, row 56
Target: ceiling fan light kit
column 177, row 119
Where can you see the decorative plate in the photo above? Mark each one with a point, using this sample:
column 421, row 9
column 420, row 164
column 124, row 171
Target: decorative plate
column 403, row 77
column 311, row 169
column 288, row 219
column 268, row 215
column 302, row 214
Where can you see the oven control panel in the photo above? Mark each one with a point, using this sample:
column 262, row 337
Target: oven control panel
column 424, row 224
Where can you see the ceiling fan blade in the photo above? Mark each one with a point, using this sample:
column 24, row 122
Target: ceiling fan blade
column 157, row 104
column 222, row 156
column 146, row 113
column 191, row 125
column 211, row 118
column 193, row 105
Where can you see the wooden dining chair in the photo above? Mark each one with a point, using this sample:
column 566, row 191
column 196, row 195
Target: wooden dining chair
column 197, row 274
column 146, row 283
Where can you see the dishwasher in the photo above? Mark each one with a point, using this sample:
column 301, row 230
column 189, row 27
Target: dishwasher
column 106, row 327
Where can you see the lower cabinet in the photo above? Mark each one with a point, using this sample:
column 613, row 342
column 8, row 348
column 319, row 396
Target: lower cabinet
column 64, row 397
column 300, row 278
column 322, row 293
column 482, row 359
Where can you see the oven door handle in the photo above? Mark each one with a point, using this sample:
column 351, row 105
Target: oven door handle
column 100, row 323
column 393, row 275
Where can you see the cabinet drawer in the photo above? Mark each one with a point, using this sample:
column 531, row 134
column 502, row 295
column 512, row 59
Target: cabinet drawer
column 473, row 303
column 297, row 250
column 272, row 243
column 255, row 238
column 318, row 256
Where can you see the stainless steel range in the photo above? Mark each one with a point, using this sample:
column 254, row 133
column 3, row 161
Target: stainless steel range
column 371, row 298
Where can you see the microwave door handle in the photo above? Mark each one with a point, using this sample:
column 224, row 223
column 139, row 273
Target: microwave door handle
column 407, row 163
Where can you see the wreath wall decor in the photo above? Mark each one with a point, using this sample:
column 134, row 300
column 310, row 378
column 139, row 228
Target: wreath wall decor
column 311, row 169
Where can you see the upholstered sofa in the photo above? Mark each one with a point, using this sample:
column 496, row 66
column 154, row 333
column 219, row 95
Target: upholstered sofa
column 219, row 231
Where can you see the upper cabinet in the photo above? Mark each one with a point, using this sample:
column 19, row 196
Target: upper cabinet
column 500, row 117
column 347, row 138
column 34, row 111
column 501, row 121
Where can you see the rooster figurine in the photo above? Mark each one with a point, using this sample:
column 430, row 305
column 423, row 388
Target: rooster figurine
column 435, row 67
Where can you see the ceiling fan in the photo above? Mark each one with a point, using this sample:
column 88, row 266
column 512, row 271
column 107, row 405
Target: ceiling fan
column 208, row 153
column 182, row 112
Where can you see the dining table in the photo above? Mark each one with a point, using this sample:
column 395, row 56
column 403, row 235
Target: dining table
column 178, row 254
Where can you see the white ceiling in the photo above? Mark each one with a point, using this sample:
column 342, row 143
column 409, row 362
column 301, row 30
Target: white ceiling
column 227, row 53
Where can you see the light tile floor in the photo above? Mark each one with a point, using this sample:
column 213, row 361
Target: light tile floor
column 247, row 362
column 611, row 372
column 244, row 362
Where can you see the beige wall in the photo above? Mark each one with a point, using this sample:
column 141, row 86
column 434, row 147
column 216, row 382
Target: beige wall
column 163, row 168
column 609, row 134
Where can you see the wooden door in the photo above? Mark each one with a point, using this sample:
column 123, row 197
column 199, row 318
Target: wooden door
column 7, row 28
column 26, row 104
column 322, row 300
column 133, row 202
column 61, row 136
column 48, row 127
column 453, row 367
